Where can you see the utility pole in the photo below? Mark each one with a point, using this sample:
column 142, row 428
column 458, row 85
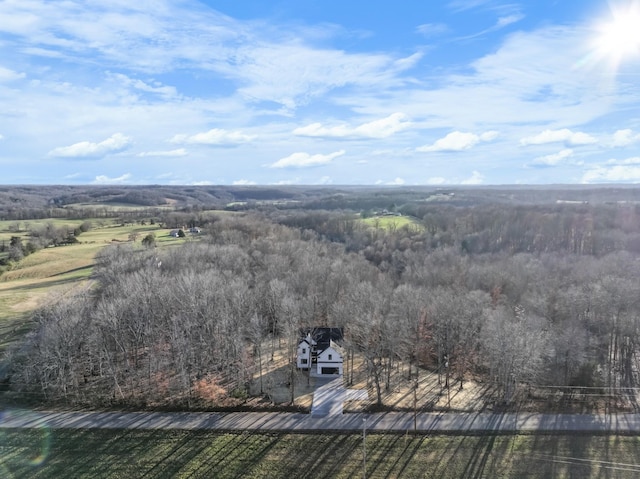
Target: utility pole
column 364, row 447
column 446, row 367
column 415, row 404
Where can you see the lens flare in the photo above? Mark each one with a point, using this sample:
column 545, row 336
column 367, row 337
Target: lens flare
column 622, row 36
column 618, row 38
column 34, row 450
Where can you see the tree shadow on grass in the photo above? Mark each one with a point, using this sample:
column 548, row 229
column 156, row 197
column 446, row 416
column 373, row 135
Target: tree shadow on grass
column 239, row 454
column 478, row 451
column 103, row 453
column 321, row 455
column 169, row 462
column 554, row 455
column 410, row 451
column 43, row 283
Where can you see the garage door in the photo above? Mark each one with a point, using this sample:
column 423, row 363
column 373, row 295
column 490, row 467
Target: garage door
column 330, row 371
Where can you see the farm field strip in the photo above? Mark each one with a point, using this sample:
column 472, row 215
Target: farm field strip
column 40, row 453
column 392, row 222
column 56, row 270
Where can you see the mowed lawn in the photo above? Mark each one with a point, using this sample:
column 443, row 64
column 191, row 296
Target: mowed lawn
column 55, row 271
column 40, row 453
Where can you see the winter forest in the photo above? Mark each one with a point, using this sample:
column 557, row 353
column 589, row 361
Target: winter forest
column 519, row 296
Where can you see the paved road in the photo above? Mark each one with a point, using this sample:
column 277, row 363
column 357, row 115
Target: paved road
column 391, row 422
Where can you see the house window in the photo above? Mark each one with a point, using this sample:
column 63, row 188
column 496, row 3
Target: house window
column 304, row 361
column 330, row 357
column 304, row 350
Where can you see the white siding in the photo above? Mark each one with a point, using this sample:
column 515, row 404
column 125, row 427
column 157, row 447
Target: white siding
column 304, row 355
column 330, row 358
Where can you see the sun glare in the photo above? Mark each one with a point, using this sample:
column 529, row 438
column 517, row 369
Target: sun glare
column 619, row 37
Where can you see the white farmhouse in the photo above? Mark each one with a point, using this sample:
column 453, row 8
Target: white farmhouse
column 319, row 353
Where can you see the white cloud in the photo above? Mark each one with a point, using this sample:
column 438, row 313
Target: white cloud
column 553, row 159
column 625, row 138
column 397, row 182
column 436, row 180
column 243, row 182
column 325, row 180
column 475, row 179
column 305, row 160
column 105, row 180
column 287, row 182
column 292, row 74
column 7, row 75
column 462, row 5
column 154, row 34
column 458, row 141
column 500, row 23
column 623, row 173
column 528, row 82
column 85, row 149
column 382, row 128
column 506, row 88
column 508, row 20
column 155, row 87
column 265, row 62
column 215, row 137
column 432, row 29
column 170, row 153
column 628, row 161
column 489, row 135
column 408, row 62
column 557, row 136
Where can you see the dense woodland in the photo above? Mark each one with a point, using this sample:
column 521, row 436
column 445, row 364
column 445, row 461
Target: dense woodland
column 63, row 201
column 519, row 295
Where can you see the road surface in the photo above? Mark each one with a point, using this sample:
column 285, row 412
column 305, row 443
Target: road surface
column 296, row 422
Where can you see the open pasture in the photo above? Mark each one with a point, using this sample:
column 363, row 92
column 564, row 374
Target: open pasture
column 392, row 223
column 55, row 270
column 41, row 453
column 21, row 228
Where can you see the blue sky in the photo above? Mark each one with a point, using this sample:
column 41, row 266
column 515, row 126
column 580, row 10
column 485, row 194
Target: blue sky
column 319, row 92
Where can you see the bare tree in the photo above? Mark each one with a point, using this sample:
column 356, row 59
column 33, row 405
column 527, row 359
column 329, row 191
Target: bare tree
column 513, row 345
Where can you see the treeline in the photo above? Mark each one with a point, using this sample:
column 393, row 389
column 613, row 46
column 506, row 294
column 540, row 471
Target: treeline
column 164, row 322
column 98, row 211
column 565, row 229
column 65, row 201
column 37, row 238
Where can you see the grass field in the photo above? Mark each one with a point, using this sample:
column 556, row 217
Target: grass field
column 54, row 271
column 392, row 223
column 21, row 228
column 39, row 453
